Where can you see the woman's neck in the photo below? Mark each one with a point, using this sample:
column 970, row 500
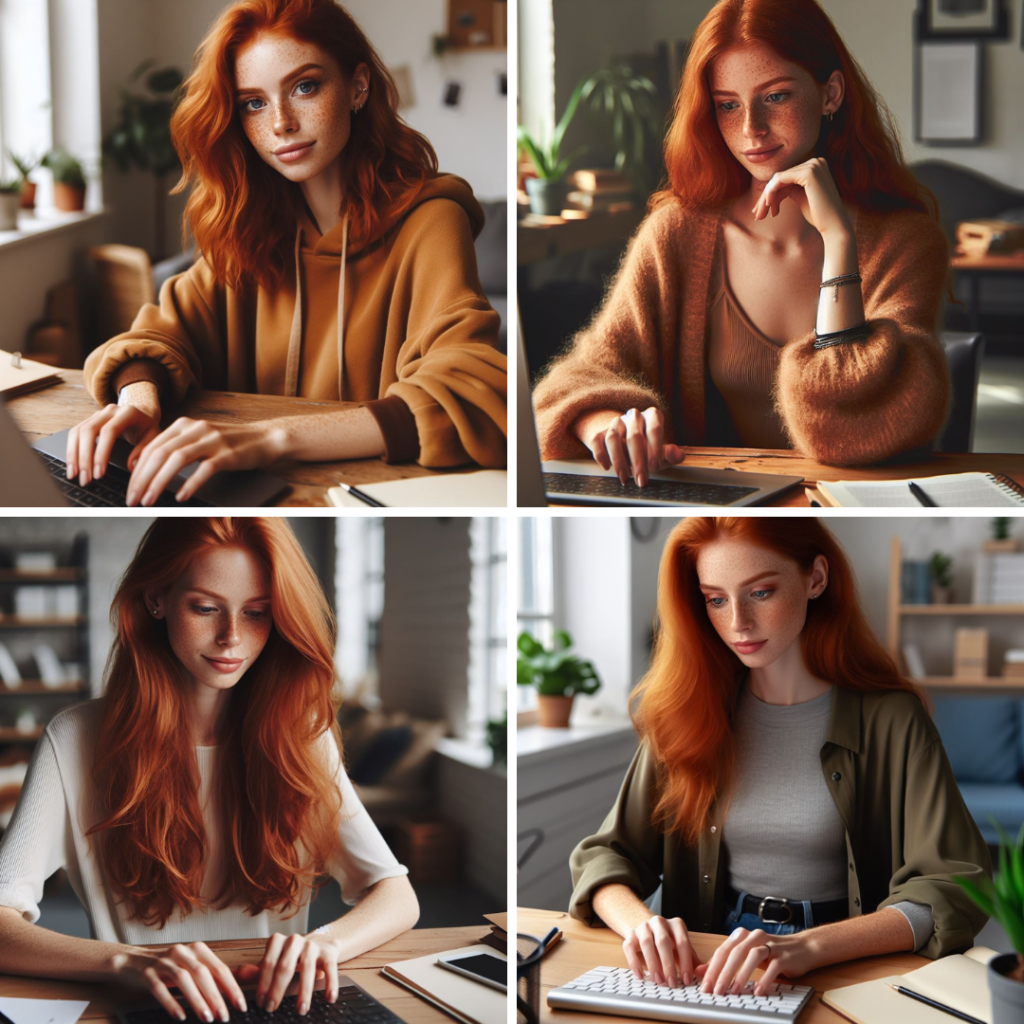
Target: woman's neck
column 209, row 712
column 324, row 195
column 786, row 680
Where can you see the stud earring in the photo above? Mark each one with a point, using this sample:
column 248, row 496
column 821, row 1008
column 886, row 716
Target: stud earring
column 830, row 115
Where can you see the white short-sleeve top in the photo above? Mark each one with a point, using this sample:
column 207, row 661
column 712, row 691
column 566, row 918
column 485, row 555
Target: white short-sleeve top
column 56, row 808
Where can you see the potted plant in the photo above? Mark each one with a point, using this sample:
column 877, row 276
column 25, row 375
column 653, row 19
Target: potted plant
column 1003, row 899
column 10, row 203
column 1001, row 539
column 142, row 137
column 497, row 740
column 68, row 180
column 615, row 92
column 558, row 676
column 942, row 578
column 26, row 165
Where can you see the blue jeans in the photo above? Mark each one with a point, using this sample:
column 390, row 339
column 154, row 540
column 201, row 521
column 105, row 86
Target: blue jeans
column 751, row 922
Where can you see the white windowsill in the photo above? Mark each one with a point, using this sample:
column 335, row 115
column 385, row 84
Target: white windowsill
column 535, row 744
column 468, row 753
column 46, row 225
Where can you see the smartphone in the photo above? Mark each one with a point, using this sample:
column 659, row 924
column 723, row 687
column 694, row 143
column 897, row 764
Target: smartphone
column 487, row 968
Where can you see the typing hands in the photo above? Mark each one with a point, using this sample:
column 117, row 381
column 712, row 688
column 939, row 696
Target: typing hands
column 632, row 444
column 732, row 964
column 310, row 956
column 661, row 947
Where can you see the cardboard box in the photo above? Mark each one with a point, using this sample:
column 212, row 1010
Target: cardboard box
column 970, row 654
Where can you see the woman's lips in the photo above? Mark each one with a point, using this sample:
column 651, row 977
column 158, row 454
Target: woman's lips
column 225, row 665
column 296, row 154
column 750, row 648
column 759, row 158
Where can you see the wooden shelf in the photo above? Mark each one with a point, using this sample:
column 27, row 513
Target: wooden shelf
column 51, row 576
column 37, row 686
column 962, row 609
column 10, row 735
column 51, row 622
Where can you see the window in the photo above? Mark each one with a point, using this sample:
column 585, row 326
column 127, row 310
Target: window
column 536, row 609
column 359, row 593
column 488, row 652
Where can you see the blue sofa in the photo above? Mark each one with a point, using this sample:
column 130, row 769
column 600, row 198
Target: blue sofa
column 984, row 739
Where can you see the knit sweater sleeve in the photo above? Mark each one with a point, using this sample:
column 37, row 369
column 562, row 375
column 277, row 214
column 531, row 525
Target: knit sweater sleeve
column 615, row 362
column 449, row 371
column 35, row 843
column 176, row 344
column 864, row 401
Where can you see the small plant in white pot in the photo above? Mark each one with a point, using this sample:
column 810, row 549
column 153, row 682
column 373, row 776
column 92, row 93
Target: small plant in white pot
column 10, row 203
column 558, row 675
column 1003, row 899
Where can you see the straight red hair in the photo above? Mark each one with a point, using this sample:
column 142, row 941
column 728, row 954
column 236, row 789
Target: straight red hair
column 276, row 791
column 861, row 144
column 241, row 211
column 683, row 705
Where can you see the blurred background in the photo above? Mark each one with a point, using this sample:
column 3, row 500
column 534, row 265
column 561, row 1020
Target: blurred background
column 421, row 655
column 936, row 592
column 964, row 141
column 88, row 87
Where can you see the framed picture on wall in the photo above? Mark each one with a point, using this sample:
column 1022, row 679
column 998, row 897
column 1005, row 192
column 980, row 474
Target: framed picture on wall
column 477, row 24
column 962, row 19
column 948, row 93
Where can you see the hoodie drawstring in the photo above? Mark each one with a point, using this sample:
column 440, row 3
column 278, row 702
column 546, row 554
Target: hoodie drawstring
column 295, row 339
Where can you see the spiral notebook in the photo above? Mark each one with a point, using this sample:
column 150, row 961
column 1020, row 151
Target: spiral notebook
column 969, row 490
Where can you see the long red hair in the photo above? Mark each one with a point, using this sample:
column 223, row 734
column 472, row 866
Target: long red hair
column 861, row 144
column 241, row 212
column 683, row 705
column 275, row 791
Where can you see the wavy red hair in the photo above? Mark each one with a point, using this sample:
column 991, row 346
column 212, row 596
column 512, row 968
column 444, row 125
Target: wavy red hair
column 861, row 144
column 241, row 212
column 683, row 705
column 276, row 790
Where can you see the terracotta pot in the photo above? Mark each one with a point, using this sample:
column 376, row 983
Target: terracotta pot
column 28, row 195
column 68, row 197
column 10, row 203
column 1010, row 544
column 554, row 712
column 1007, row 993
column 941, row 595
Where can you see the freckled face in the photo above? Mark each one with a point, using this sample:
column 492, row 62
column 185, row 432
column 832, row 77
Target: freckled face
column 764, row 103
column 218, row 616
column 290, row 93
column 755, row 598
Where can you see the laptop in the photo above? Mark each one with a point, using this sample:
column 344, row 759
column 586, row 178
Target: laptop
column 36, row 474
column 584, row 482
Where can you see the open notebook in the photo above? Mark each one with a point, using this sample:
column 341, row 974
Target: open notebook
column 960, row 982
column 970, row 490
column 483, row 487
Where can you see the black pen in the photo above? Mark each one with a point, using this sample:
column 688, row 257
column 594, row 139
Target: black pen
column 363, row 497
column 938, row 1006
column 921, row 496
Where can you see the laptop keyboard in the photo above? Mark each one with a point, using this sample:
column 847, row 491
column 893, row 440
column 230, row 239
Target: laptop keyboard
column 354, row 1006
column 656, row 490
column 109, row 491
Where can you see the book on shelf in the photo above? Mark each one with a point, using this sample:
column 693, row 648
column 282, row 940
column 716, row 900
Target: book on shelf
column 999, row 578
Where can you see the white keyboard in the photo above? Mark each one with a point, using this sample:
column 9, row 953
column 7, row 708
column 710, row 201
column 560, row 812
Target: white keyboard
column 616, row 990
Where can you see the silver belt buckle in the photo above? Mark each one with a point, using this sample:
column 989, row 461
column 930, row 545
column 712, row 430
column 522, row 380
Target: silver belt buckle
column 771, row 920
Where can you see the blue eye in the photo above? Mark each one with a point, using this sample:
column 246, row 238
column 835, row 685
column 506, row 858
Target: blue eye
column 781, row 95
column 307, row 81
column 761, row 594
column 203, row 609
column 256, row 614
column 716, row 602
column 728, row 106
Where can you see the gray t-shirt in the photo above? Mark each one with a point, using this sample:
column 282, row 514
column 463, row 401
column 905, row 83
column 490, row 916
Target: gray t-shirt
column 783, row 835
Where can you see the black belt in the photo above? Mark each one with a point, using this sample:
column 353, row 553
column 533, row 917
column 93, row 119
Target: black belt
column 776, row 910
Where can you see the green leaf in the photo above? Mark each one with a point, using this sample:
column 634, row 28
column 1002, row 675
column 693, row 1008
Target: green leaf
column 528, row 645
column 982, row 900
column 562, row 640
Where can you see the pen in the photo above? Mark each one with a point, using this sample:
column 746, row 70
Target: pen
column 365, row 498
column 547, row 938
column 921, row 496
column 938, row 1006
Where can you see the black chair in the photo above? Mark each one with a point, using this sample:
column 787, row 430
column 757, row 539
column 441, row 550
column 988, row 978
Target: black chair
column 963, row 356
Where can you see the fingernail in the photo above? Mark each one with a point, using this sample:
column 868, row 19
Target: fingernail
column 181, row 1014
column 641, row 480
column 242, row 1006
column 208, row 1017
column 97, row 470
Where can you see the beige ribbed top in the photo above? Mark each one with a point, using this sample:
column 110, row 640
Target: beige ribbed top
column 55, row 810
column 743, row 364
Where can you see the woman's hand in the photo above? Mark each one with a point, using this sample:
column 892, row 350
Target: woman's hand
column 811, row 187
column 311, row 956
column 632, row 444
column 194, row 968
column 662, row 947
column 90, row 442
column 734, row 961
column 217, row 446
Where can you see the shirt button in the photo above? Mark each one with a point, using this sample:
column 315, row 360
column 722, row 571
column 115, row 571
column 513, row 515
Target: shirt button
column 856, row 902
column 714, row 829
column 706, row 879
column 836, row 776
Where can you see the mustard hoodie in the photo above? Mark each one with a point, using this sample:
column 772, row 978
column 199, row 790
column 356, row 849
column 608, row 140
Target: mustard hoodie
column 400, row 325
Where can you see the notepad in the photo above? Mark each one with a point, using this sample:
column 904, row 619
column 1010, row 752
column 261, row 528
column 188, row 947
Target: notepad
column 486, row 488
column 960, row 982
column 16, row 380
column 42, row 1011
column 970, row 490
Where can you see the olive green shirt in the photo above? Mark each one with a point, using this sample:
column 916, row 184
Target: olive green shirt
column 907, row 828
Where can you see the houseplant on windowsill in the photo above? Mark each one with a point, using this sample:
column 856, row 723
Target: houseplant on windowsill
column 68, row 180
column 10, row 203
column 1003, row 899
column 26, row 165
column 558, row 675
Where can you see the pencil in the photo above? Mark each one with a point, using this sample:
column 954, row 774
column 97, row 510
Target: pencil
column 363, row 497
column 938, row 1006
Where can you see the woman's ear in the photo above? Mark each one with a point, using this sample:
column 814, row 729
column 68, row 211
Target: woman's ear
column 819, row 577
column 154, row 604
column 835, row 92
column 360, row 87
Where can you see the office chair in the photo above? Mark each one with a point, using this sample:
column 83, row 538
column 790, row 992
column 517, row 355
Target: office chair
column 963, row 356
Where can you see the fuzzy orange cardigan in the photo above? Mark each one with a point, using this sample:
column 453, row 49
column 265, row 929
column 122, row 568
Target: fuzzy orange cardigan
column 846, row 405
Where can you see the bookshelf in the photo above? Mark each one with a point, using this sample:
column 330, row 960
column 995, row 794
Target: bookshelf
column 897, row 611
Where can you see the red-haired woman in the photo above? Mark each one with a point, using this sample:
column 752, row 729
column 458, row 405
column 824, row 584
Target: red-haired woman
column 790, row 789
column 784, row 289
column 336, row 264
column 203, row 794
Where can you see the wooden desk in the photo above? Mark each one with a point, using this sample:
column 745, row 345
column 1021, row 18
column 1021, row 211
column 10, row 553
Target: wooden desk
column 363, row 970
column 977, row 267
column 582, row 948
column 49, row 410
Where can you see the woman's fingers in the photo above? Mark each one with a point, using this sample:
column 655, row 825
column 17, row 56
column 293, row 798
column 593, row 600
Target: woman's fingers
column 686, row 955
column 754, row 958
column 654, row 427
column 631, row 947
column 636, row 445
column 182, row 977
column 284, row 970
column 162, row 994
column 307, row 962
column 666, row 947
column 270, row 957
column 187, row 959
column 651, row 958
column 615, row 440
column 771, row 972
column 221, row 973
